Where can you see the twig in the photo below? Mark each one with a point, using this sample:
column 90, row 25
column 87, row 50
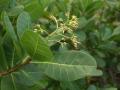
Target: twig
column 17, row 67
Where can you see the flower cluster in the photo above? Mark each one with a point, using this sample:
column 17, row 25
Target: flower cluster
column 73, row 23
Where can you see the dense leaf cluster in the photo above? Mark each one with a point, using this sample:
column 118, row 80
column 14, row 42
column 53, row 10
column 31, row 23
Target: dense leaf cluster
column 59, row 44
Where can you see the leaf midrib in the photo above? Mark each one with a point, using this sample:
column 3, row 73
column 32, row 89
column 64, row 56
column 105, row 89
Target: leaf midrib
column 68, row 65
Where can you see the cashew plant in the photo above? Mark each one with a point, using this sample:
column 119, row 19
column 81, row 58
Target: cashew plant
column 48, row 45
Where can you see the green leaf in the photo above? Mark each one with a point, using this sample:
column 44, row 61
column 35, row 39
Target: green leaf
column 70, row 65
column 9, row 27
column 34, row 9
column 4, row 4
column 3, row 63
column 36, row 46
column 23, row 23
column 10, row 83
column 28, row 78
column 16, row 10
column 7, row 83
column 116, row 31
column 30, row 75
column 13, row 52
column 106, row 34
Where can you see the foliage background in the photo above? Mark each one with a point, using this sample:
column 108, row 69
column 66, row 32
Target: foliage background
column 92, row 26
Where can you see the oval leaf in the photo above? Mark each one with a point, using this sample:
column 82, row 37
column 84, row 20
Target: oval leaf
column 35, row 46
column 9, row 27
column 23, row 23
column 70, row 65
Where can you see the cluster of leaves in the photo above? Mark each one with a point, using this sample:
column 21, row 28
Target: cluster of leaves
column 59, row 44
